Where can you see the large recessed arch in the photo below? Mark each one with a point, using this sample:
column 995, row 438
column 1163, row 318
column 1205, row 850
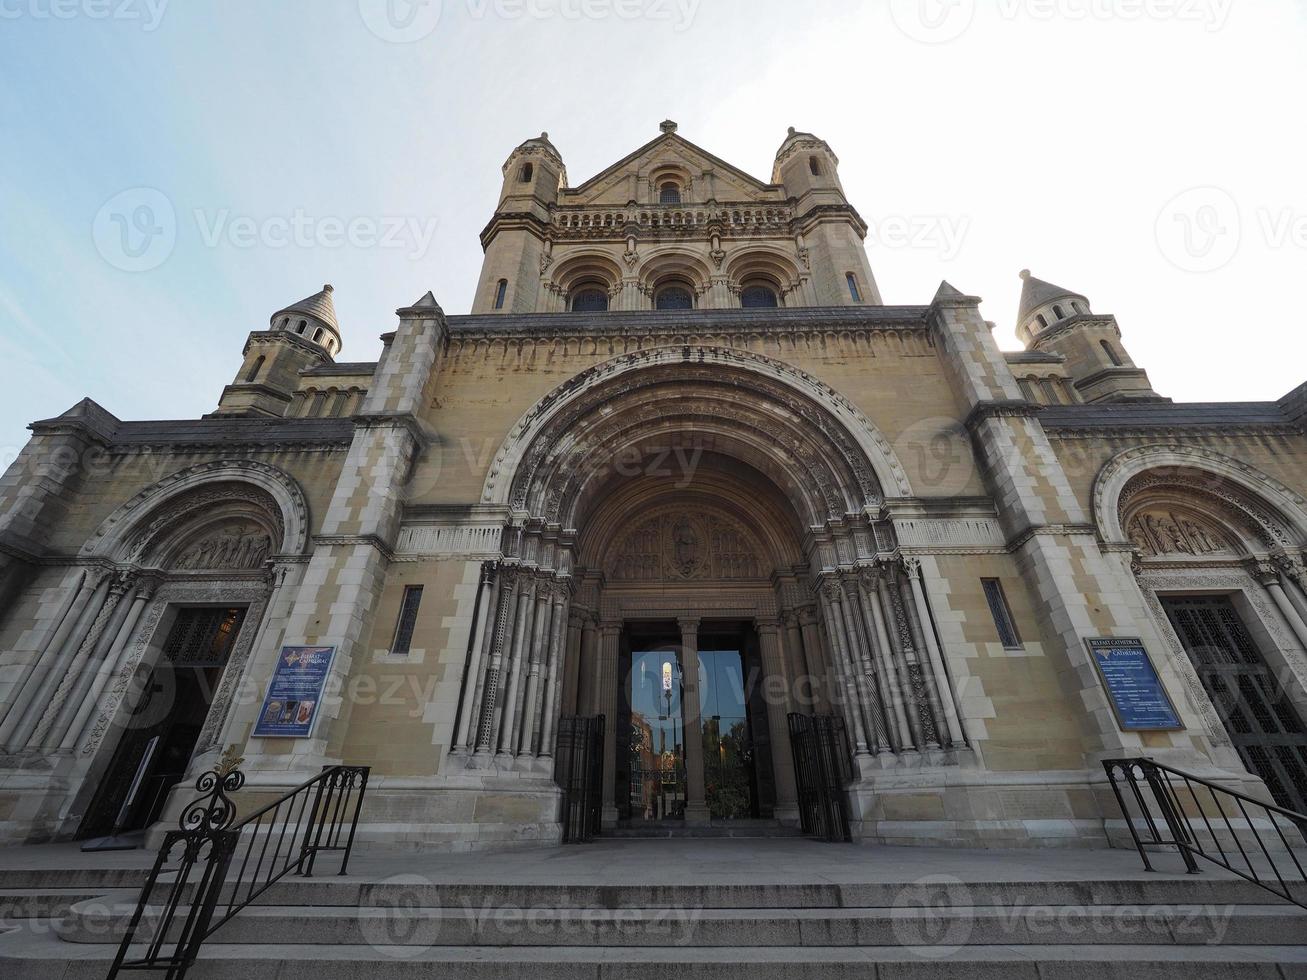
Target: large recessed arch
column 584, row 417
column 1277, row 513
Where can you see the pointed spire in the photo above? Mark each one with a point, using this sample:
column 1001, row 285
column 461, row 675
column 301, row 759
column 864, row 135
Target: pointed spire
column 1036, row 293
column 319, row 306
column 428, row 302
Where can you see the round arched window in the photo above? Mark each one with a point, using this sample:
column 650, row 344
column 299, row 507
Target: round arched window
column 759, row 297
column 590, row 300
column 669, row 193
column 674, row 298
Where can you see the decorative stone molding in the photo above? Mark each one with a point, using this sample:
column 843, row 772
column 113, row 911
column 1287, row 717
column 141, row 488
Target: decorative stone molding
column 524, row 449
column 1226, row 472
column 123, row 536
column 449, row 541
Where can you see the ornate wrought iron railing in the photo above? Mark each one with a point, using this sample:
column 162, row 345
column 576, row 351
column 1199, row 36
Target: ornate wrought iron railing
column 822, row 770
column 579, row 772
column 191, row 892
column 1257, row 841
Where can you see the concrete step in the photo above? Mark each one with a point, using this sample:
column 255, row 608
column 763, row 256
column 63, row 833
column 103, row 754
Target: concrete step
column 98, row 922
column 734, row 829
column 28, row 955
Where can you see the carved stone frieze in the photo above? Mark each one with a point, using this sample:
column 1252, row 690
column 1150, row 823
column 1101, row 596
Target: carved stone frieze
column 680, row 546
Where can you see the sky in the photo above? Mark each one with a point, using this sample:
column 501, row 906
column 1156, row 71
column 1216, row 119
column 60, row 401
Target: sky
column 172, row 172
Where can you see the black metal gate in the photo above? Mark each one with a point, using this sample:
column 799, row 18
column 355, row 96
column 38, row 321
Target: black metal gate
column 579, row 771
column 1264, row 726
column 822, row 768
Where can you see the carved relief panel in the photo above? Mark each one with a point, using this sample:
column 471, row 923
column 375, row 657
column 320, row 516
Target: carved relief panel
column 1162, row 533
column 686, row 546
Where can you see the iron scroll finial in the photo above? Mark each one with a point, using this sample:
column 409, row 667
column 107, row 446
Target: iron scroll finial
column 215, row 810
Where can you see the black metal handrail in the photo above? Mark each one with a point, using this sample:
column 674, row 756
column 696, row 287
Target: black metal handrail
column 320, row 815
column 1184, row 819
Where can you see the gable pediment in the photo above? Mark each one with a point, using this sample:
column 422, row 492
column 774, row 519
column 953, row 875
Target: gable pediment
column 708, row 176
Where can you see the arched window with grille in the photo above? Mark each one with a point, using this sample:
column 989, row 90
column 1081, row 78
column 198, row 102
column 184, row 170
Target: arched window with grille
column 758, row 296
column 674, row 297
column 669, row 193
column 501, row 294
column 590, row 299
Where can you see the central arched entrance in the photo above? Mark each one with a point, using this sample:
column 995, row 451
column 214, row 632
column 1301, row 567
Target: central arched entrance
column 689, row 553
column 699, row 546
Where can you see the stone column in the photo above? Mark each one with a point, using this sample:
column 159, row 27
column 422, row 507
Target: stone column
column 900, row 641
column 840, row 658
column 463, row 734
column 864, row 672
column 822, row 673
column 83, row 670
column 1269, row 576
column 696, row 809
column 588, row 698
column 943, row 684
column 25, row 694
column 572, row 666
column 606, row 698
column 805, row 695
column 884, row 650
column 773, row 663
column 505, row 615
column 516, row 666
column 536, row 656
column 109, row 666
column 557, row 638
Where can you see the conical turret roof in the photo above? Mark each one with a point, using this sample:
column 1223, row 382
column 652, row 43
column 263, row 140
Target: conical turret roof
column 1037, row 293
column 318, row 306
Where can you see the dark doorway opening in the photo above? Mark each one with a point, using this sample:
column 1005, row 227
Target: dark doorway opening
column 652, row 728
column 1263, row 723
column 169, row 705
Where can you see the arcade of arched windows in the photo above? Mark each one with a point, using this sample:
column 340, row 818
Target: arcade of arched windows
column 323, row 403
column 1048, row 390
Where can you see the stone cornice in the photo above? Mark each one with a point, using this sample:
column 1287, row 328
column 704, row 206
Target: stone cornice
column 689, row 324
column 1073, row 323
column 1008, row 409
column 289, row 339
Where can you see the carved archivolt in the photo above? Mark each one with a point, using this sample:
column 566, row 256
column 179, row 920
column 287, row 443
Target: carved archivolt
column 685, row 546
column 822, row 435
column 1157, row 532
column 1211, row 482
column 147, row 527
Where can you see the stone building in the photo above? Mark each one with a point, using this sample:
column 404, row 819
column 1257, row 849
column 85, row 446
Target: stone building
column 680, row 467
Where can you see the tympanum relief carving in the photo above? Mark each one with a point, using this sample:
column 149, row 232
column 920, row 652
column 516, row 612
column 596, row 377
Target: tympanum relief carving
column 233, row 547
column 681, row 546
column 1159, row 534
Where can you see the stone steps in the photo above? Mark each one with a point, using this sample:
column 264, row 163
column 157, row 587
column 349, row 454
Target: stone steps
column 44, row 957
column 98, row 922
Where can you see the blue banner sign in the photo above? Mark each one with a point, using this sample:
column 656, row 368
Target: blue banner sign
column 295, row 693
column 1138, row 697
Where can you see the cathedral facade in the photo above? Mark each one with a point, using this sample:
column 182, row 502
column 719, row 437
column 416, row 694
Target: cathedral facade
column 681, row 469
